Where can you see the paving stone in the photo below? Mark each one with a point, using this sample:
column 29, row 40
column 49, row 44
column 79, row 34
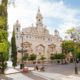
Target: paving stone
column 18, row 76
column 55, row 76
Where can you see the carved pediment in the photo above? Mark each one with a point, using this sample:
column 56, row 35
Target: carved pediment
column 52, row 45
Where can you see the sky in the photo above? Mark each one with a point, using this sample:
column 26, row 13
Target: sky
column 57, row 14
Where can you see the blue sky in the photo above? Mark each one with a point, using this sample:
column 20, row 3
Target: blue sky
column 72, row 3
column 57, row 14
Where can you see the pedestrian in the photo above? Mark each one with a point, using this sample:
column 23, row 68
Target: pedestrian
column 36, row 67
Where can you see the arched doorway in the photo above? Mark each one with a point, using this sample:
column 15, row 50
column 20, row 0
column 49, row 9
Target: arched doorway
column 40, row 50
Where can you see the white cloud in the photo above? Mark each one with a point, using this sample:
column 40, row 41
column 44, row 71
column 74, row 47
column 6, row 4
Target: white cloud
column 25, row 11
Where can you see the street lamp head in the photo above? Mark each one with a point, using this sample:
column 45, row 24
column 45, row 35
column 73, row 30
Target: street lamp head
column 22, row 33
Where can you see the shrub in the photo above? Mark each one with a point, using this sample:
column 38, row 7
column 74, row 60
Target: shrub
column 32, row 57
column 59, row 56
column 42, row 58
column 52, row 57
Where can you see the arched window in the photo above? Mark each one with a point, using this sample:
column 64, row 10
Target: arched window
column 17, row 28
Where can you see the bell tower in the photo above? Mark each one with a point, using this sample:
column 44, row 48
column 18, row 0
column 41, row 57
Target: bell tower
column 17, row 26
column 39, row 19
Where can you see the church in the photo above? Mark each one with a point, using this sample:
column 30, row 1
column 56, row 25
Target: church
column 37, row 39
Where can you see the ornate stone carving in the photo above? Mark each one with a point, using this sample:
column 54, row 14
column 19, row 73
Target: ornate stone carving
column 38, row 40
column 40, row 49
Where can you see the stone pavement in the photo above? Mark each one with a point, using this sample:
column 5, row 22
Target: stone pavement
column 55, row 76
column 35, row 77
column 11, row 70
column 18, row 76
column 15, row 74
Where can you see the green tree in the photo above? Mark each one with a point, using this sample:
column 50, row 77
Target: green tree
column 3, row 14
column 42, row 58
column 59, row 56
column 77, row 49
column 4, row 45
column 32, row 57
column 13, row 49
column 74, row 34
column 3, row 55
column 67, row 46
column 52, row 56
column 25, row 57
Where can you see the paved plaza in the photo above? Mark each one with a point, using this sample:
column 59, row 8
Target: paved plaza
column 37, row 75
column 18, row 76
column 52, row 72
column 55, row 76
column 66, row 69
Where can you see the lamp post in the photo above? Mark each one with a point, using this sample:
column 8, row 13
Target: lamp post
column 22, row 65
column 73, row 35
column 75, row 60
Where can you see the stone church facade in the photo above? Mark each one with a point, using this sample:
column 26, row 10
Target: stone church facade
column 36, row 39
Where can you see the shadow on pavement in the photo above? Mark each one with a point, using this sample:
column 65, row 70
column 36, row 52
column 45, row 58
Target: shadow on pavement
column 5, row 78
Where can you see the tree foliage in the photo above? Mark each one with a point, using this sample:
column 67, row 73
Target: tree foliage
column 13, row 49
column 25, row 57
column 42, row 58
column 69, row 31
column 67, row 46
column 3, row 15
column 2, row 22
column 57, row 56
column 52, row 56
column 73, row 46
column 32, row 57
column 77, row 49
column 70, row 46
column 4, row 45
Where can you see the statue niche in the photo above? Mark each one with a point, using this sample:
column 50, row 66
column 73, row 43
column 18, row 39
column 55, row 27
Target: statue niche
column 40, row 49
